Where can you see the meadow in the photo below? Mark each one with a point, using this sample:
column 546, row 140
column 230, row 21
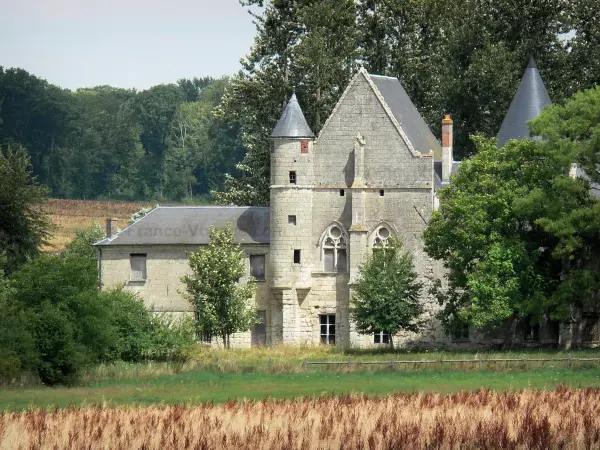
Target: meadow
column 483, row 419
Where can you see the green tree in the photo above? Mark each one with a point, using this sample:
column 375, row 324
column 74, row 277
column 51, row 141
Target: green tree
column 215, row 289
column 306, row 45
column 574, row 128
column 81, row 245
column 24, row 225
column 517, row 234
column 387, row 294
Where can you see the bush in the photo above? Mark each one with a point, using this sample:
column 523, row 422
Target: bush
column 56, row 322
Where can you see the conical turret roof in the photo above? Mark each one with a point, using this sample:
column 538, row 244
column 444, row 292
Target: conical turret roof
column 528, row 103
column 292, row 122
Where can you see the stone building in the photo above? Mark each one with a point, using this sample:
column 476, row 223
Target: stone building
column 373, row 172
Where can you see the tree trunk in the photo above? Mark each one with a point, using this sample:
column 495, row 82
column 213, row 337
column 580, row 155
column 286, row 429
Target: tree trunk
column 509, row 339
column 224, row 337
column 391, row 341
column 317, row 126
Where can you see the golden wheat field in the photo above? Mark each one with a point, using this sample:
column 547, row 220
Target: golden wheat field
column 563, row 418
column 69, row 216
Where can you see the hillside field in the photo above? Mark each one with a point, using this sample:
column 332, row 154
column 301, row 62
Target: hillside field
column 69, row 216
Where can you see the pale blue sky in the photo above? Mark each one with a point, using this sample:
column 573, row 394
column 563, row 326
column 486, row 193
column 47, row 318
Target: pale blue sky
column 125, row 43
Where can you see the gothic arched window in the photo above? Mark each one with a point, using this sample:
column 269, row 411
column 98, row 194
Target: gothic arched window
column 382, row 235
column 335, row 256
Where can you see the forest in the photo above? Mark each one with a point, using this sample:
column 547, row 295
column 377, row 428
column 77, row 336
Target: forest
column 208, row 138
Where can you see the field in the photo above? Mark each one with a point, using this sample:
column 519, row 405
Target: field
column 562, row 418
column 69, row 216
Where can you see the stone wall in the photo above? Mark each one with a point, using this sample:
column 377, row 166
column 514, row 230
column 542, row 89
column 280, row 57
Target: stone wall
column 165, row 265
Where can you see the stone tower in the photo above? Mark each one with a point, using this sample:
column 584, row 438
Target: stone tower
column 291, row 220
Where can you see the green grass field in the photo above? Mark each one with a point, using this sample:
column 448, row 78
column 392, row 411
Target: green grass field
column 201, row 386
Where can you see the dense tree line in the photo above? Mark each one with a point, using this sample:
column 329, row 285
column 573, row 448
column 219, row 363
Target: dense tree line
column 464, row 58
column 107, row 142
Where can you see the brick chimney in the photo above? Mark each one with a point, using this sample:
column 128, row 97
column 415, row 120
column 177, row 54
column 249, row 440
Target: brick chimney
column 447, row 139
column 111, row 227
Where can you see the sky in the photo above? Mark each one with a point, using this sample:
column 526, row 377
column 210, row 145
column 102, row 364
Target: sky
column 124, row 43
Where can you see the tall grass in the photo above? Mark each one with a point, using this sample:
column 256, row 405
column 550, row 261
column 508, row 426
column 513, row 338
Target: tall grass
column 563, row 418
column 290, row 359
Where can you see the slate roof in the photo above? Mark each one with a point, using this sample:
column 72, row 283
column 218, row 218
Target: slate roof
column 437, row 173
column 185, row 225
column 292, row 122
column 406, row 113
column 528, row 103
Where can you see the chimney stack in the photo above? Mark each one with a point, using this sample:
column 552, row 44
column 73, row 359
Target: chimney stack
column 111, row 227
column 447, row 139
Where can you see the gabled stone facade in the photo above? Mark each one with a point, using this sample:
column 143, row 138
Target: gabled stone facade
column 372, row 172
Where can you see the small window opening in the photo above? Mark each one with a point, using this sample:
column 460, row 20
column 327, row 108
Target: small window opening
column 460, row 331
column 138, row 267
column 327, row 322
column 303, row 146
column 342, row 193
column 292, row 177
column 292, row 220
column 381, row 192
column 531, row 331
column 381, row 337
column 257, row 267
column 296, row 256
column 334, row 251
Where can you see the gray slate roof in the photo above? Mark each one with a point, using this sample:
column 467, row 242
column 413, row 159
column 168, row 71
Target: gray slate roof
column 190, row 225
column 437, row 174
column 292, row 122
column 406, row 113
column 528, row 103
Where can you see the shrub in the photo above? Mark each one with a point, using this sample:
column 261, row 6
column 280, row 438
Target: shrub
column 56, row 322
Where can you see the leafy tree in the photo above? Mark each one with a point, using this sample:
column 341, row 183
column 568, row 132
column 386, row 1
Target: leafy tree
column 82, row 244
column 574, row 129
column 24, row 225
column 220, row 299
column 306, row 45
column 387, row 295
column 517, row 235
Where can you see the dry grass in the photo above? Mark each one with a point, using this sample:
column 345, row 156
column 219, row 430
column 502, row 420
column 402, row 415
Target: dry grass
column 564, row 418
column 69, row 216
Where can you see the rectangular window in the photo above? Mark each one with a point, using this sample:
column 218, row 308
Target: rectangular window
column 292, row 177
column 138, row 267
column 292, row 220
column 327, row 323
column 257, row 267
column 381, row 337
column 329, row 260
column 342, row 265
column 381, row 192
column 296, row 256
column 342, row 192
column 259, row 331
column 460, row 332
column 303, row 146
column 531, row 331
